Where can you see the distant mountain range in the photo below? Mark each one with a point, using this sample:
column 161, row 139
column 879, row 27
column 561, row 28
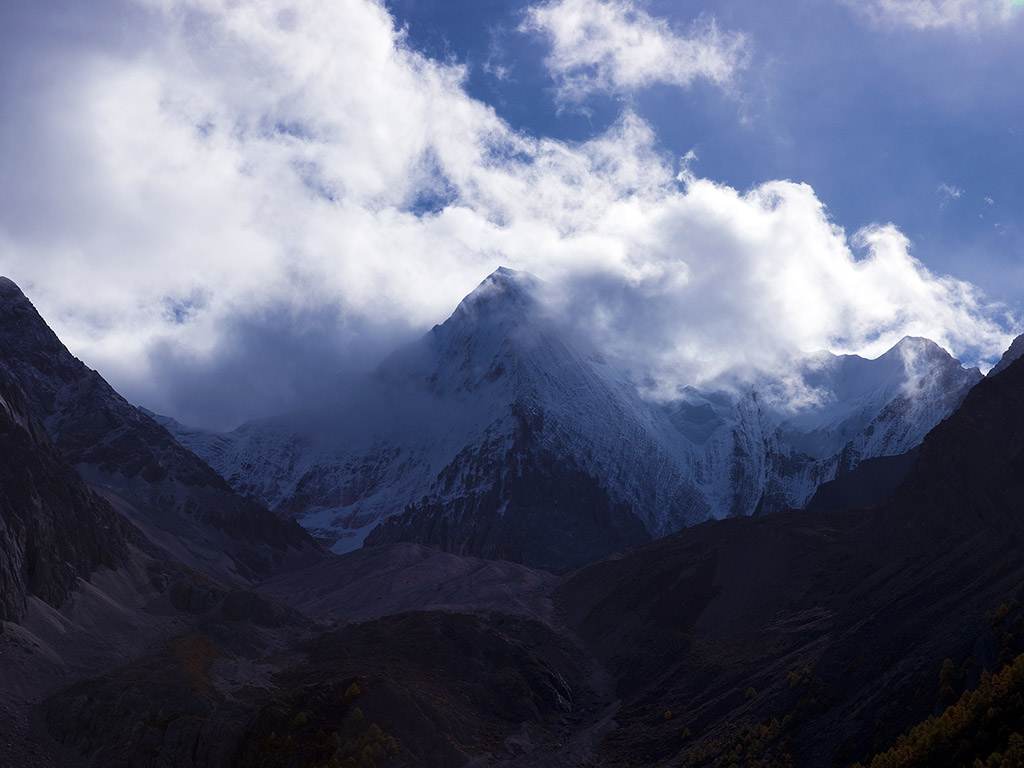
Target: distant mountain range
column 501, row 434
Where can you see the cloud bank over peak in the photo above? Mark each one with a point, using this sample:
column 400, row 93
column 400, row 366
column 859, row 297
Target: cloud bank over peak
column 611, row 46
column 725, row 284
column 257, row 198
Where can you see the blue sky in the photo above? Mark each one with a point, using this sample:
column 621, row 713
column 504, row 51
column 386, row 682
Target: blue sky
column 222, row 205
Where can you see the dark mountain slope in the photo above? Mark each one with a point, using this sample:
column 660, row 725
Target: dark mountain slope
column 870, row 482
column 532, row 508
column 795, row 639
column 174, row 497
column 970, row 472
column 153, row 663
column 984, row 727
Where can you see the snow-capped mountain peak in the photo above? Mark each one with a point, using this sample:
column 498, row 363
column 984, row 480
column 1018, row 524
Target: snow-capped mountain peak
column 500, row 433
column 479, row 343
column 505, row 293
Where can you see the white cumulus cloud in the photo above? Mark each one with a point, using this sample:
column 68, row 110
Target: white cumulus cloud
column 612, row 46
column 714, row 282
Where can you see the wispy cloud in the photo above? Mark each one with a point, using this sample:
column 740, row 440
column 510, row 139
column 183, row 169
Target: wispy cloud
column 935, row 14
column 947, row 192
column 611, row 46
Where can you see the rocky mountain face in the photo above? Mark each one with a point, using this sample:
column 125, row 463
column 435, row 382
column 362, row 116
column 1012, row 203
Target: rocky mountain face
column 180, row 504
column 96, row 559
column 116, row 650
column 53, row 529
column 500, row 434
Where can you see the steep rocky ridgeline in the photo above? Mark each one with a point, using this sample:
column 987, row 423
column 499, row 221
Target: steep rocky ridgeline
column 970, row 471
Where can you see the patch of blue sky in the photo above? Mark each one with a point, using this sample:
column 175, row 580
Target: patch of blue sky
column 312, row 177
column 292, row 129
column 432, row 191
column 179, row 310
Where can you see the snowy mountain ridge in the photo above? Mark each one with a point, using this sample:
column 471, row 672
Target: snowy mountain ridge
column 497, row 421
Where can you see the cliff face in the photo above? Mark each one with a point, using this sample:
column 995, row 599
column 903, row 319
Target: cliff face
column 53, row 529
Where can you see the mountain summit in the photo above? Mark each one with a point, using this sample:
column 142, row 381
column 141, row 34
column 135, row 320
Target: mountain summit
column 505, row 291
column 477, row 341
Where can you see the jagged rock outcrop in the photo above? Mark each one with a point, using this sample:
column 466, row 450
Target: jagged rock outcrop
column 1015, row 351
